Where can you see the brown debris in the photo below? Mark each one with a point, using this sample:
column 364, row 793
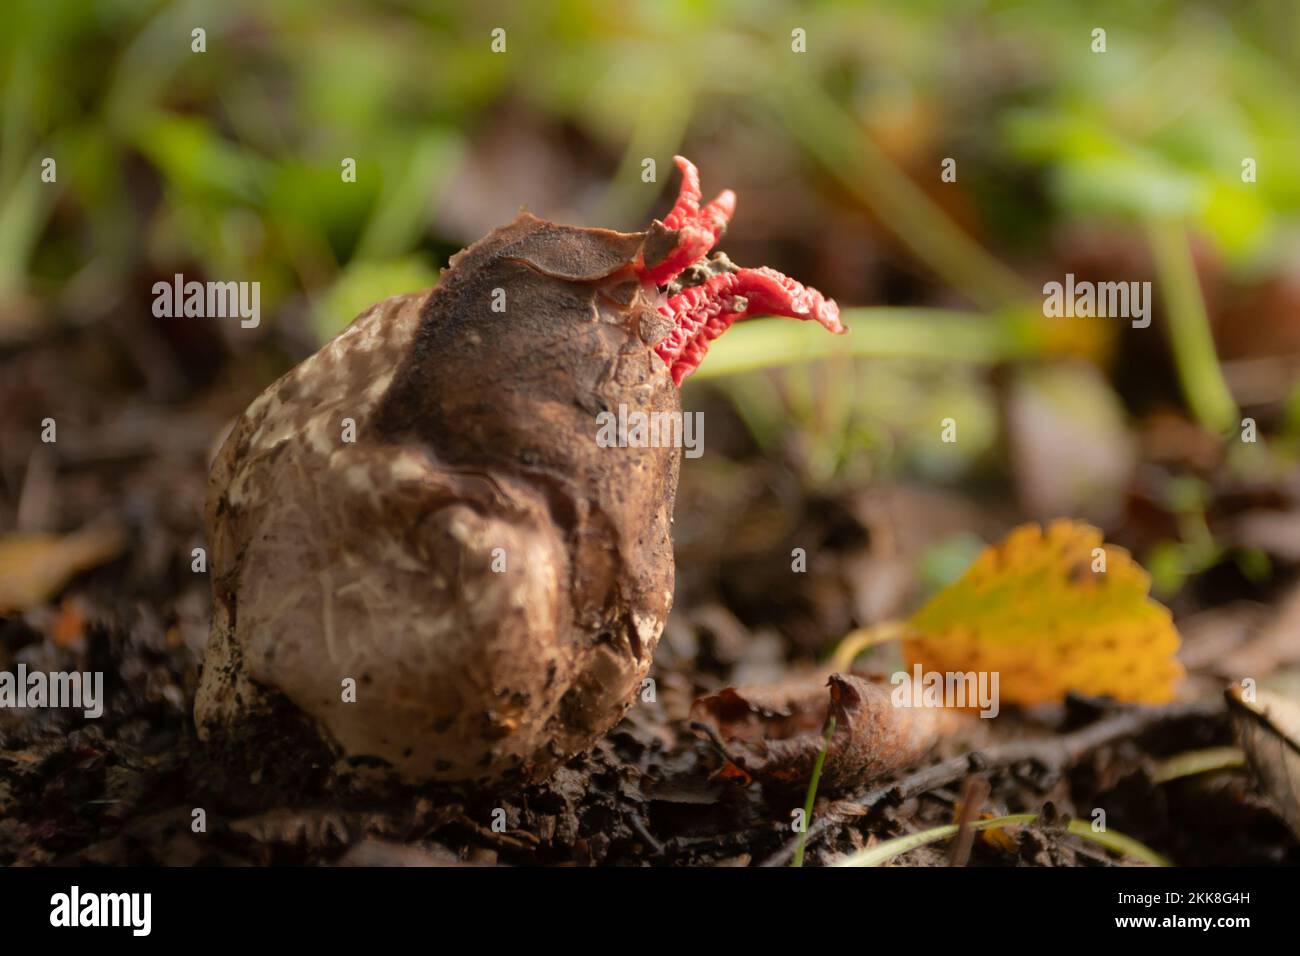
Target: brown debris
column 774, row 733
column 1268, row 726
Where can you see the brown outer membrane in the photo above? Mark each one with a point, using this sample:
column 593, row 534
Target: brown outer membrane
column 374, row 560
column 775, row 733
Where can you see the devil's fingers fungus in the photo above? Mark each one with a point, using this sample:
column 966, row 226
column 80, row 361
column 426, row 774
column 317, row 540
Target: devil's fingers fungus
column 418, row 545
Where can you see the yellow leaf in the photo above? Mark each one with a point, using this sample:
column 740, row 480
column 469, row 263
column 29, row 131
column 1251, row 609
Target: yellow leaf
column 35, row 566
column 1033, row 609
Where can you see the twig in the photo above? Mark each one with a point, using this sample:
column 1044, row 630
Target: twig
column 642, row 829
column 973, row 794
column 1051, row 751
column 711, row 734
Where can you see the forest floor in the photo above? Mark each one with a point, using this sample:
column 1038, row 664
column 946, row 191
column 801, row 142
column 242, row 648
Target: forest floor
column 124, row 789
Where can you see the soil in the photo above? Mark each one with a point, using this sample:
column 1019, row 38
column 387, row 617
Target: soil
column 133, row 786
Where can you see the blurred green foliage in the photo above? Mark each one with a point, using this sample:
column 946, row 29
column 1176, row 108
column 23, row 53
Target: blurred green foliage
column 227, row 163
column 244, row 141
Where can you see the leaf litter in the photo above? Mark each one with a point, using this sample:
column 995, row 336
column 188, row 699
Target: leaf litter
column 654, row 790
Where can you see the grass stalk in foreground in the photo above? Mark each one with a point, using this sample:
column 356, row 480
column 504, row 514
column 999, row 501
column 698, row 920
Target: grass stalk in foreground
column 1110, row 839
column 1197, row 762
column 877, row 332
column 1190, row 337
column 812, row 792
column 855, row 642
column 838, row 141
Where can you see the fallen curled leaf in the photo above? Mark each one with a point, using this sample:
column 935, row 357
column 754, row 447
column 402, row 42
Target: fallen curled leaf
column 1269, row 730
column 35, row 566
column 773, row 733
column 1038, row 609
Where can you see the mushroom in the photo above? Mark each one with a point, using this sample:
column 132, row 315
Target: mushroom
column 421, row 555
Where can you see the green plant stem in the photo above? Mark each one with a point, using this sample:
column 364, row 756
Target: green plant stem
column 812, row 792
column 660, row 128
column 1190, row 338
column 1196, row 762
column 884, row 852
column 1110, row 839
column 855, row 642
column 1117, row 842
column 882, row 332
column 836, row 139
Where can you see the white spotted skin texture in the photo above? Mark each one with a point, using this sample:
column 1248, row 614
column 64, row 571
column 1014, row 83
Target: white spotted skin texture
column 495, row 623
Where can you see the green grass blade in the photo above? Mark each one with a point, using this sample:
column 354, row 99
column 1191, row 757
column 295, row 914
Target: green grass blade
column 1110, row 839
column 1190, row 337
column 812, row 792
column 884, row 852
column 1117, row 842
column 875, row 332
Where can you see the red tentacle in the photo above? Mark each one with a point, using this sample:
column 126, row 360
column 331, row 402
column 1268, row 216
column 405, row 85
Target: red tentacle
column 698, row 228
column 701, row 313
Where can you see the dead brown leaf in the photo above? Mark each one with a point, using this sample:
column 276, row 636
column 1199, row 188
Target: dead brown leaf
column 774, row 732
column 1269, row 730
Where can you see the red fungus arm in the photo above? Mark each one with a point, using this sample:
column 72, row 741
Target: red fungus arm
column 698, row 227
column 701, row 313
